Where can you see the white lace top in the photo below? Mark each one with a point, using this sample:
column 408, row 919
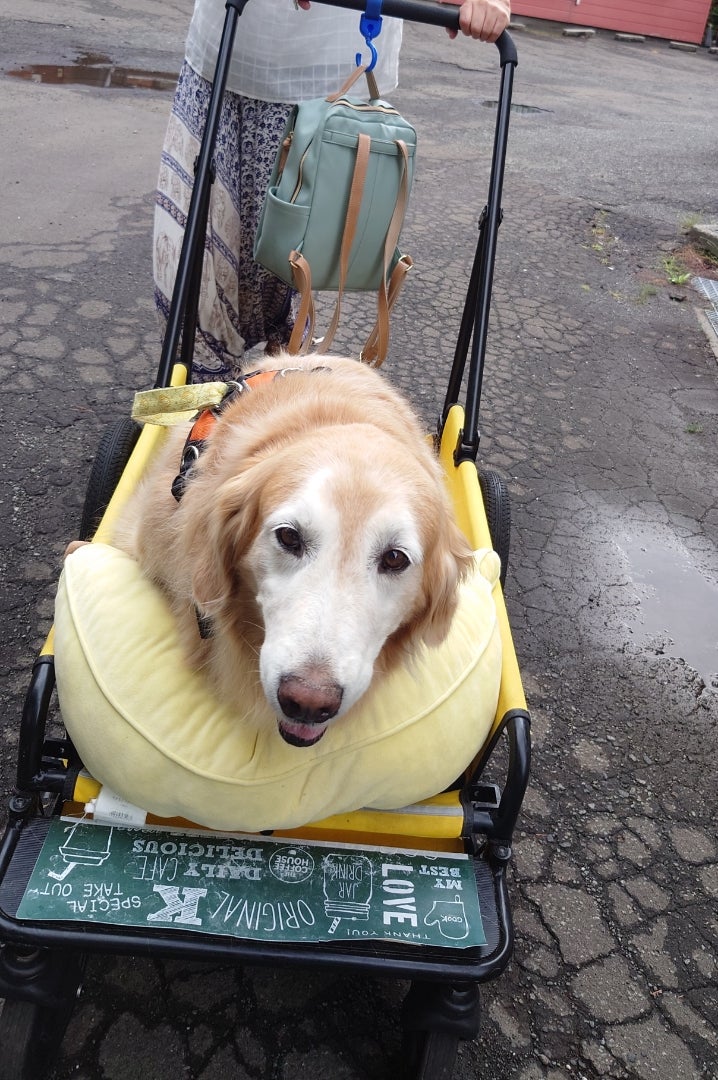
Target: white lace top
column 287, row 54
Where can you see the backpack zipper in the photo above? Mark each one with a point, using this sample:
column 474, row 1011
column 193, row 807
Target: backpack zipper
column 368, row 106
column 298, row 186
column 286, row 147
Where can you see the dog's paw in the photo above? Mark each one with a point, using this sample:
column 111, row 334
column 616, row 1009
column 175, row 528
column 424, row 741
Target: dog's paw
column 73, row 546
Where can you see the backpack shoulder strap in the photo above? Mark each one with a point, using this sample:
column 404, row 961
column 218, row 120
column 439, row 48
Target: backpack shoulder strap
column 356, row 194
column 303, row 329
column 377, row 344
column 354, row 77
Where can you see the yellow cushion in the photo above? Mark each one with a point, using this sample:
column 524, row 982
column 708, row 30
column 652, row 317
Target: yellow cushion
column 148, row 726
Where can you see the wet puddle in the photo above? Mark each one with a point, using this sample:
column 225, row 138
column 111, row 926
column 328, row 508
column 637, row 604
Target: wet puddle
column 676, row 600
column 99, row 71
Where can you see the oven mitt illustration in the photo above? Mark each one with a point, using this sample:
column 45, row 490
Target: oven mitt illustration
column 450, row 917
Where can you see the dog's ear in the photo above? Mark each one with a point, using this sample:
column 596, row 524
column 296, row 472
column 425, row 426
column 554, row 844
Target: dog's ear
column 224, row 526
column 449, row 560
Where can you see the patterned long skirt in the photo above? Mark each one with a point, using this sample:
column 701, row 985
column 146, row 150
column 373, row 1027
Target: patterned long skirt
column 240, row 304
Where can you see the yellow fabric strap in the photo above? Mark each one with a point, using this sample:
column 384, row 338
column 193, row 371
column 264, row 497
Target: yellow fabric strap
column 168, row 405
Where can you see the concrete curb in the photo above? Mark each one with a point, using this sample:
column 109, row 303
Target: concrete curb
column 708, row 330
column 528, row 23
column 706, row 235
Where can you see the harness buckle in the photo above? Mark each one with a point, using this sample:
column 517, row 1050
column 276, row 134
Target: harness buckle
column 200, row 431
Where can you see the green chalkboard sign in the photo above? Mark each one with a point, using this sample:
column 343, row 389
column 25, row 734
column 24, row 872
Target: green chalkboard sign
column 250, row 887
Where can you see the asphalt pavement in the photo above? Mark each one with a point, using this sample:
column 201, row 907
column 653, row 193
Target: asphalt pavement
column 601, row 411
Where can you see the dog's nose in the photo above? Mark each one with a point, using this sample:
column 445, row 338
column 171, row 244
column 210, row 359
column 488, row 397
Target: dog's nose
column 308, row 701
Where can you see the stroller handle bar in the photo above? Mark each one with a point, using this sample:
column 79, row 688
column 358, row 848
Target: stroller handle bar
column 183, row 307
column 421, row 11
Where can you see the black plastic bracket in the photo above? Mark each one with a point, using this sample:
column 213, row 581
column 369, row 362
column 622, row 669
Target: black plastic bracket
column 43, row 976
column 451, row 1008
column 467, row 449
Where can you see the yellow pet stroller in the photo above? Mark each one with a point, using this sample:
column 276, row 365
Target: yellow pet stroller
column 406, row 889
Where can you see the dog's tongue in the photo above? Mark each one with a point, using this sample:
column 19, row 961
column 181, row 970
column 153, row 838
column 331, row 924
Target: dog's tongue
column 299, row 734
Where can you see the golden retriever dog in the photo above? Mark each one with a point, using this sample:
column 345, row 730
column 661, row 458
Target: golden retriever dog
column 309, row 542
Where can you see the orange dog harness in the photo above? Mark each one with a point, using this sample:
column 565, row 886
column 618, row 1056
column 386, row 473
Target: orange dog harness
column 204, row 421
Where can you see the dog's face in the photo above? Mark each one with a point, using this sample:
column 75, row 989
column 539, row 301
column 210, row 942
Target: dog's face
column 332, row 557
column 337, row 572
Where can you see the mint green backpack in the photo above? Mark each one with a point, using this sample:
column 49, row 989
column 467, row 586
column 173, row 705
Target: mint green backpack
column 335, row 207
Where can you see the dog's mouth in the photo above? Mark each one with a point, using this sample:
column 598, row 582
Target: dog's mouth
column 297, row 733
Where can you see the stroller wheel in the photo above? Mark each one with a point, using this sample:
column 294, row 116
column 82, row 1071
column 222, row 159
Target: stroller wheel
column 430, row 1055
column 495, row 494
column 30, row 1036
column 31, row 1031
column 113, row 453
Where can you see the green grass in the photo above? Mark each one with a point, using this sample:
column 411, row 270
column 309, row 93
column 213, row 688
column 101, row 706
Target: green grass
column 689, row 221
column 675, row 271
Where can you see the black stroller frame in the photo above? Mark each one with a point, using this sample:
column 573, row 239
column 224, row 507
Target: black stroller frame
column 42, row 962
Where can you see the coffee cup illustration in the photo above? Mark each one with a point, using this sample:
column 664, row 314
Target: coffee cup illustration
column 88, row 844
column 347, row 888
column 450, row 917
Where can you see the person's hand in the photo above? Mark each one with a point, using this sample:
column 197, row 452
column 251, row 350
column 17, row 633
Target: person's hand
column 481, row 19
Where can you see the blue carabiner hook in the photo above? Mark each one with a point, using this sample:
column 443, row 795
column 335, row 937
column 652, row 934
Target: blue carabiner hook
column 370, row 27
column 374, row 57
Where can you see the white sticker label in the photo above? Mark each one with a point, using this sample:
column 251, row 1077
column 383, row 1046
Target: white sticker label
column 111, row 809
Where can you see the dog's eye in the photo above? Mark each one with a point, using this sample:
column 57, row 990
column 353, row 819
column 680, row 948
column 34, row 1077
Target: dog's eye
column 290, row 540
column 393, row 561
